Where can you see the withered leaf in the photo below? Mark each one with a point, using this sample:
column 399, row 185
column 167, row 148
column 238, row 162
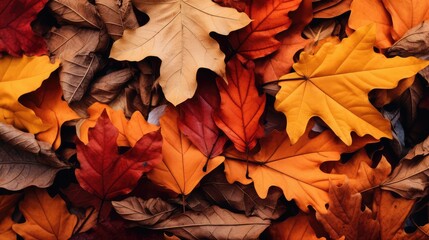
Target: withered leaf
column 79, row 13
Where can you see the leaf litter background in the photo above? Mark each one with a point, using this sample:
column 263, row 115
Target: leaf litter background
column 225, row 119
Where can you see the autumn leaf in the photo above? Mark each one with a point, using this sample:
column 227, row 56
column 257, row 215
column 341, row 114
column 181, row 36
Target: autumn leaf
column 344, row 216
column 24, row 161
column 215, row 223
column 196, row 119
column 268, row 19
column 16, row 35
column 293, row 228
column 45, row 217
column 341, row 76
column 293, row 168
column 76, row 12
column 17, row 77
column 178, row 33
column 105, row 173
column 330, row 9
column 182, row 164
column 47, row 103
column 241, row 106
column 137, row 127
column 7, row 206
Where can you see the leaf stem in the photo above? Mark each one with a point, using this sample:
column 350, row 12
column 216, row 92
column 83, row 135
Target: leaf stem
column 84, row 221
column 99, row 210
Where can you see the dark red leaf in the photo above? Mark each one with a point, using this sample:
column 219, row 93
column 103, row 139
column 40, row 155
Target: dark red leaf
column 16, row 35
column 105, row 173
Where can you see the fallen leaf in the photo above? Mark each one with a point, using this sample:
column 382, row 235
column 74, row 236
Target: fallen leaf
column 331, row 9
column 243, row 198
column 145, row 212
column 345, row 217
column 241, row 106
column 47, row 103
column 182, row 165
column 280, row 62
column 78, row 49
column 79, row 13
column 341, row 76
column 116, row 116
column 268, row 19
column 45, row 217
column 293, row 168
column 105, row 173
column 410, row 178
column 24, row 161
column 240, row 5
column 17, row 77
column 7, row 206
column 137, row 127
column 178, row 33
column 383, row 97
column 196, row 119
column 117, row 16
column 364, row 12
column 16, row 35
column 293, row 228
column 214, row 223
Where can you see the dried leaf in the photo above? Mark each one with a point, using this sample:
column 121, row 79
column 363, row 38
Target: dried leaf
column 293, row 228
column 331, row 8
column 213, row 223
column 79, row 13
column 145, row 212
column 178, row 33
column 16, row 35
column 182, row 165
column 340, row 74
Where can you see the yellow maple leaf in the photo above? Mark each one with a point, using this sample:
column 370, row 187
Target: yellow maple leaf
column 17, row 77
column 334, row 84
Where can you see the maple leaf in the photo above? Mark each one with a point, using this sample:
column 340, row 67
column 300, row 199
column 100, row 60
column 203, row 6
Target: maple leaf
column 182, row 164
column 178, row 33
column 16, row 35
column 45, row 217
column 344, row 216
column 293, row 168
column 105, row 173
column 196, row 119
column 137, row 127
column 268, row 19
column 47, row 103
column 17, row 77
column 334, row 83
column 7, row 206
column 241, row 106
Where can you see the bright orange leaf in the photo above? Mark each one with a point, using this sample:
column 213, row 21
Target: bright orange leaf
column 293, row 228
column 182, row 165
column 136, row 127
column 45, row 217
column 7, row 206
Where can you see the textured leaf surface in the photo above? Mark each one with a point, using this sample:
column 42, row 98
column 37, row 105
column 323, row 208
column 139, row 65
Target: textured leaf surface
column 182, row 165
column 334, row 83
column 16, row 35
column 293, row 228
column 76, row 12
column 178, row 33
column 17, row 77
column 45, row 217
column 105, row 173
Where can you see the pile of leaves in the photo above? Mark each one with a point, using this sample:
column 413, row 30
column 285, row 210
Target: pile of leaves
column 223, row 119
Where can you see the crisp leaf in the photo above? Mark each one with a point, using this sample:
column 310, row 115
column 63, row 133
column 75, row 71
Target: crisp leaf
column 178, row 33
column 268, row 19
column 45, row 217
column 214, row 223
column 334, row 83
column 183, row 165
column 241, row 106
column 76, row 12
column 105, row 173
column 16, row 35
column 17, row 77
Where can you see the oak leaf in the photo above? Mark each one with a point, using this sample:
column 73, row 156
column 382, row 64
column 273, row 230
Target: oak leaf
column 17, row 77
column 213, row 223
column 345, row 217
column 178, row 33
column 24, row 161
column 241, row 106
column 16, row 35
column 293, row 168
column 268, row 19
column 182, row 165
column 410, row 178
column 334, row 83
column 196, row 119
column 47, row 103
column 105, row 173
column 293, row 228
column 45, row 217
